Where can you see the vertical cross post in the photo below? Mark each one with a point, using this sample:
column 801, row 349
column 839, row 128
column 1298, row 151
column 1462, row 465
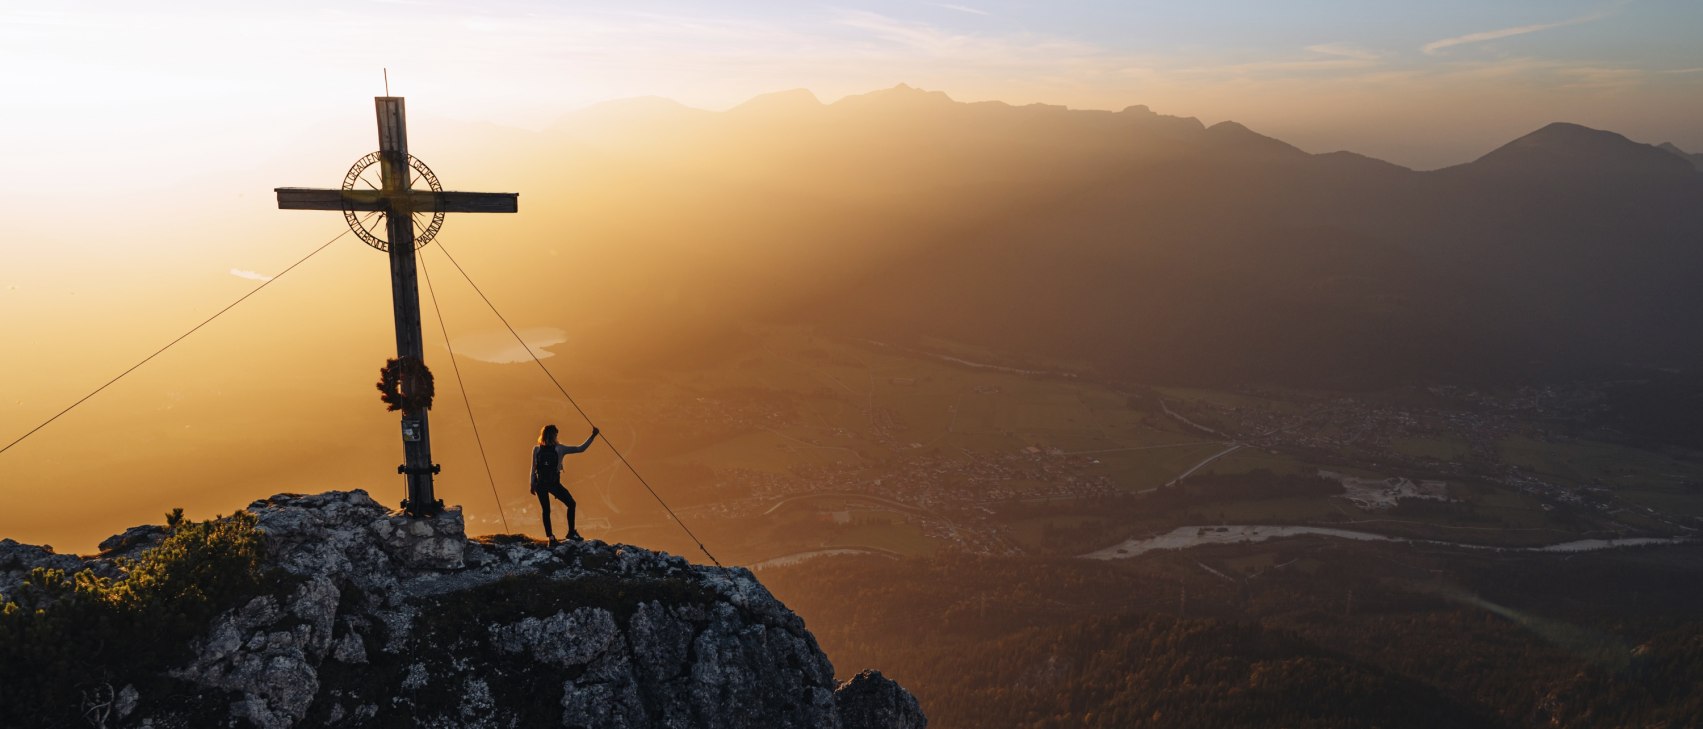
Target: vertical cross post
column 398, row 201
column 405, row 295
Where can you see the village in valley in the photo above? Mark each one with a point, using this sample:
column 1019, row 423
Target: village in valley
column 817, row 445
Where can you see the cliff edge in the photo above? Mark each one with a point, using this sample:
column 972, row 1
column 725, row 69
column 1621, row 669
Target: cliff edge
column 372, row 618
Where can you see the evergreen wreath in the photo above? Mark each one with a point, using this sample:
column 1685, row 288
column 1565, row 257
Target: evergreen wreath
column 405, row 384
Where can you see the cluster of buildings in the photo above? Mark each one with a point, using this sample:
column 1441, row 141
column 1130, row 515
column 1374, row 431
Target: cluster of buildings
column 955, row 496
column 1465, row 430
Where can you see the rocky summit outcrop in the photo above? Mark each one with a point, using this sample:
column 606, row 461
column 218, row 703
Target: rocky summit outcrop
column 385, row 620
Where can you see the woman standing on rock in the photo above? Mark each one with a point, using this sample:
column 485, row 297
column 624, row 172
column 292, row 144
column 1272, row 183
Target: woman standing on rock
column 547, row 477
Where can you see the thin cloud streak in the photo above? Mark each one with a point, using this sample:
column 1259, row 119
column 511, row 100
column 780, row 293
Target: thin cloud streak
column 1433, row 47
column 250, row 275
column 961, row 8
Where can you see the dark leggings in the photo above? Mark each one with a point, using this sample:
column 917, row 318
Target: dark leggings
column 562, row 495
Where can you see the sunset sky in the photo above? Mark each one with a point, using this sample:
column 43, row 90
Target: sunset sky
column 1421, row 84
column 140, row 141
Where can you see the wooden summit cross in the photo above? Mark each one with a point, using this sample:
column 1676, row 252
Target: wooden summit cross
column 396, row 199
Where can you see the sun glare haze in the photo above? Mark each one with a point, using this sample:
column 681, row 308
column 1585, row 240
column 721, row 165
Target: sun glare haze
column 141, row 142
column 1220, row 363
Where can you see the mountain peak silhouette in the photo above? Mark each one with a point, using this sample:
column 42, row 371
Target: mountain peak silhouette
column 1236, row 138
column 1566, row 138
column 1696, row 160
column 1574, row 147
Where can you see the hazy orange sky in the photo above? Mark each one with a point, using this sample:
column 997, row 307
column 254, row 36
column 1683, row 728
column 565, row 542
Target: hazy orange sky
column 186, row 85
column 140, row 141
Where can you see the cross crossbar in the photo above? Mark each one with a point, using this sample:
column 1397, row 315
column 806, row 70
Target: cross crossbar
column 417, row 201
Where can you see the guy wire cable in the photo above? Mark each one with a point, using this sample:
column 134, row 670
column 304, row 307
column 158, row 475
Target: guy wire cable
column 577, row 407
column 192, row 330
column 463, row 385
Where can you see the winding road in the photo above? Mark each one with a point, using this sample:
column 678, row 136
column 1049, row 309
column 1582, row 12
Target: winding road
column 1196, row 467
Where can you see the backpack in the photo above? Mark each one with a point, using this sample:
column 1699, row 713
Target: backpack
column 546, row 466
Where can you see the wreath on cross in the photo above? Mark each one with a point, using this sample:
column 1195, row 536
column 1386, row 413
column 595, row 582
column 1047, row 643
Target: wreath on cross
column 405, row 384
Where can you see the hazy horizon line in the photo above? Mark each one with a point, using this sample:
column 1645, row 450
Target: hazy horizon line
column 565, row 118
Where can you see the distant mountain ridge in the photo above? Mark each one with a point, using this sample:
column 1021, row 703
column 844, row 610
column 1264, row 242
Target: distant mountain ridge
column 1145, row 246
column 1696, row 160
column 1563, row 147
column 1557, row 138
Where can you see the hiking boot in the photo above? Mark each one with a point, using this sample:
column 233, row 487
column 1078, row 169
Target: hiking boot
column 553, row 541
column 575, row 537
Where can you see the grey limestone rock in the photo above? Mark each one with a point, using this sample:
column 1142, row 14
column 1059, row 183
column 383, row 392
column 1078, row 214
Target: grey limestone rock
column 18, row 560
column 268, row 654
column 131, row 542
column 562, row 640
column 435, row 543
column 662, row 641
column 385, row 619
column 350, row 649
column 590, row 705
column 126, row 702
column 871, row 700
